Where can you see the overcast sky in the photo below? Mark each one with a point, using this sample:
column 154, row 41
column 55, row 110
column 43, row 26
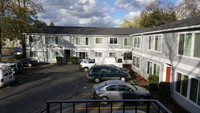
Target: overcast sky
column 93, row 13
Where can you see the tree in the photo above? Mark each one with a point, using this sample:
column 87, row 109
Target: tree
column 135, row 23
column 51, row 24
column 188, row 8
column 158, row 13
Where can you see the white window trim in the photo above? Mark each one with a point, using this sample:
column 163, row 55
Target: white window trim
column 33, row 51
column 188, row 92
column 88, row 53
column 51, row 36
column 192, row 45
column 162, row 37
column 139, row 62
column 113, row 52
column 98, row 52
column 113, row 44
column 95, row 41
column 124, row 42
column 140, row 37
column 85, row 39
column 153, row 67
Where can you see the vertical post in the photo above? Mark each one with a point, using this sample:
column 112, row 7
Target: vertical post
column 48, row 107
column 111, row 105
column 136, row 107
column 99, row 107
column 73, row 107
column 148, row 107
column 123, row 107
column 60, row 107
column 86, row 107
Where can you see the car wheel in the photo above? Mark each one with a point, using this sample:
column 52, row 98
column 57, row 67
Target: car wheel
column 123, row 79
column 97, row 80
column 104, row 98
column 86, row 69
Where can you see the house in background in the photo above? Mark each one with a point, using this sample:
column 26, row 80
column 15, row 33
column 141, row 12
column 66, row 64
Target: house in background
column 171, row 51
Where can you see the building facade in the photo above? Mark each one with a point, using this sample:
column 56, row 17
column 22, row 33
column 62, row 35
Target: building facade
column 170, row 51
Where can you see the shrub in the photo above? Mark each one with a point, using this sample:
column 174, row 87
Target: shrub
column 74, row 60
column 59, row 60
column 153, row 83
column 164, row 88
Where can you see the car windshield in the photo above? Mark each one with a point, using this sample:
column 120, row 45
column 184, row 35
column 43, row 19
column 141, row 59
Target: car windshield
column 132, row 87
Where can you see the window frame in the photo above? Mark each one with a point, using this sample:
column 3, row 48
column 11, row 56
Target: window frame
column 86, row 54
column 113, row 41
column 33, row 38
column 124, row 41
column 137, row 57
column 153, row 44
column 192, row 45
column 112, row 52
column 56, row 40
column 152, row 71
column 99, row 43
column 32, row 56
column 102, row 53
column 86, row 41
column 139, row 39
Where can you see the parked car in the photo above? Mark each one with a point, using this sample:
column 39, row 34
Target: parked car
column 87, row 64
column 6, row 75
column 18, row 50
column 28, row 62
column 107, row 72
column 117, row 90
column 17, row 66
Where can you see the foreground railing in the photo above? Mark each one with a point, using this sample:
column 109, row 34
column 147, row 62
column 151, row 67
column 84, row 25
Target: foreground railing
column 137, row 106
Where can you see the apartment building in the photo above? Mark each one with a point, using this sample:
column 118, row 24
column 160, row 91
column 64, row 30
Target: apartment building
column 171, row 51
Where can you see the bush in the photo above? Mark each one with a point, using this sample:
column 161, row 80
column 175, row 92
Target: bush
column 74, row 60
column 164, row 88
column 59, row 60
column 153, row 83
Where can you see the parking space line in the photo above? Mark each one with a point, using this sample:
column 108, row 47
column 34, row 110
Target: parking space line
column 115, row 107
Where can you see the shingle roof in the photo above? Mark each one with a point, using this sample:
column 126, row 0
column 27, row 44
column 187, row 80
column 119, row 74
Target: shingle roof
column 90, row 30
column 117, row 31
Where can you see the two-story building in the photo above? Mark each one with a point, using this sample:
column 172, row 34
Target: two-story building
column 171, row 51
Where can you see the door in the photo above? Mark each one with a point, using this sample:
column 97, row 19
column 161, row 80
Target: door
column 126, row 92
column 67, row 55
column 168, row 74
column 112, row 92
column 114, row 74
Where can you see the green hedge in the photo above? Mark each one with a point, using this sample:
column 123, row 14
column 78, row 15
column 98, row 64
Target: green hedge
column 153, row 83
column 74, row 60
column 164, row 89
column 59, row 60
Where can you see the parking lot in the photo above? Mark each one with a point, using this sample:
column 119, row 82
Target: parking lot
column 48, row 82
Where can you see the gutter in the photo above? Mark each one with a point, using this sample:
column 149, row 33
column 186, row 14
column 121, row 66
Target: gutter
column 166, row 30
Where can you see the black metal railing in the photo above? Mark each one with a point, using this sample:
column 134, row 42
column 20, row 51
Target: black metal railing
column 148, row 106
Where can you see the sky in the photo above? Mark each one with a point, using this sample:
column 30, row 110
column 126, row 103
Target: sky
column 91, row 13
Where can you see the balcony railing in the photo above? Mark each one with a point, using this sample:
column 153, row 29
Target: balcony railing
column 114, row 106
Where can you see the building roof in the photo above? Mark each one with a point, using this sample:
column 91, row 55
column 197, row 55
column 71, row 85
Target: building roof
column 90, row 30
column 176, row 25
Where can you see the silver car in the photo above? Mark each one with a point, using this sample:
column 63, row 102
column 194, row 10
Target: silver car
column 117, row 90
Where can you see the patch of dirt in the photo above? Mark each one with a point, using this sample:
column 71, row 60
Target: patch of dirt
column 138, row 79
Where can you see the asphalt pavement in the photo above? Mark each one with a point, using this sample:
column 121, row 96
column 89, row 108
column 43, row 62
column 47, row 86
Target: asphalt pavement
column 49, row 82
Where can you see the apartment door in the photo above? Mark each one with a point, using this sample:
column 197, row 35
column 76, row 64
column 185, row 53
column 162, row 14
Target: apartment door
column 168, row 73
column 67, row 55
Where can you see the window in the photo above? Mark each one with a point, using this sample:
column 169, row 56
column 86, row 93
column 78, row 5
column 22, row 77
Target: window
column 82, row 55
column 51, row 54
column 128, row 41
column 98, row 54
column 153, row 68
column 51, row 40
column 197, row 45
column 33, row 53
column 182, row 84
column 123, row 88
column 155, row 43
column 136, row 61
column 137, row 42
column 99, row 41
column 185, row 43
column 33, row 38
column 111, row 88
column 82, row 41
column 113, row 40
column 112, row 54
column 195, row 91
